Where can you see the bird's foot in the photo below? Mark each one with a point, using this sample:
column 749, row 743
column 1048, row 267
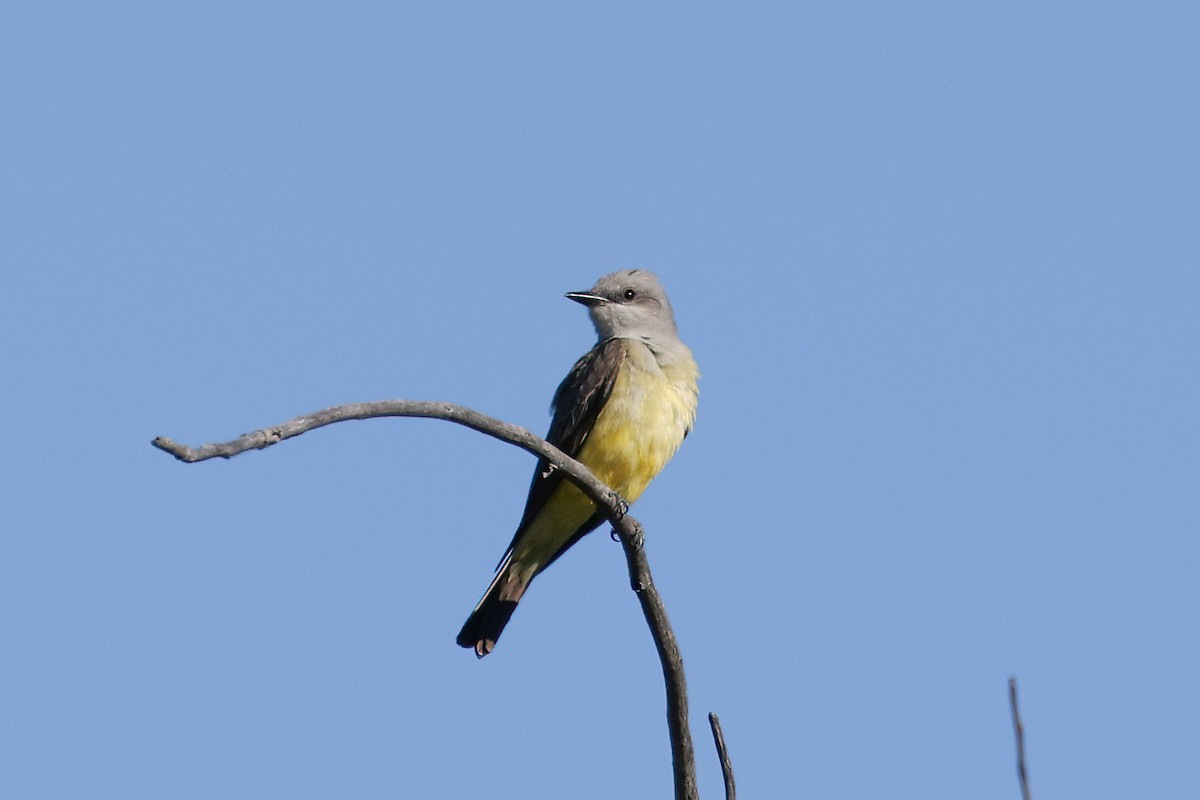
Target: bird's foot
column 622, row 506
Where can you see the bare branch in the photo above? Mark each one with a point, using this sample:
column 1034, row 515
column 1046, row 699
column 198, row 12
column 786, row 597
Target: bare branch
column 1019, row 730
column 683, row 755
column 627, row 528
column 723, row 755
column 603, row 496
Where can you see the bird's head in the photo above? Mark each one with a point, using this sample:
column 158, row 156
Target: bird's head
column 628, row 304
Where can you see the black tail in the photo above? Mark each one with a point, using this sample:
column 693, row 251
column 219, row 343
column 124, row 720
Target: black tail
column 483, row 628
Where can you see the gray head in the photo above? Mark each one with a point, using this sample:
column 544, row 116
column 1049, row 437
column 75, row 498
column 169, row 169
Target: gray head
column 629, row 304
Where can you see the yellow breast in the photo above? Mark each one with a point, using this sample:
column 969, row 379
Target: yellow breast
column 650, row 410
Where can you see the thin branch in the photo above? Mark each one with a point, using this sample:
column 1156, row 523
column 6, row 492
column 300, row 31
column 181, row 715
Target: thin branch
column 683, row 755
column 1019, row 730
column 627, row 528
column 505, row 431
column 723, row 755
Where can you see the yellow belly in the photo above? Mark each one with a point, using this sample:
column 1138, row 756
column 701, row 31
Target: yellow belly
column 642, row 425
column 648, row 413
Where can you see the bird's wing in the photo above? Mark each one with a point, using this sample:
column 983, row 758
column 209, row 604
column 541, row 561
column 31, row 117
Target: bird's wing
column 577, row 403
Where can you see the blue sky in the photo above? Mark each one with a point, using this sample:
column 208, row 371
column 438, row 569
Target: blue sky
column 938, row 263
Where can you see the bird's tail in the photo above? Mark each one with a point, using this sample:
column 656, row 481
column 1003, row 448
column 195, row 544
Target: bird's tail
column 487, row 621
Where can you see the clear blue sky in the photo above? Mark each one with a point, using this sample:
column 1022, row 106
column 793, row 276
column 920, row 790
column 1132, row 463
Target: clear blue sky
column 940, row 265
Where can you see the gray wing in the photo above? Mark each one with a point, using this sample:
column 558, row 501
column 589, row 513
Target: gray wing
column 577, row 403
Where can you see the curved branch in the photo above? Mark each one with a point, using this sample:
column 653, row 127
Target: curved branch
column 627, row 528
column 504, row 431
column 683, row 755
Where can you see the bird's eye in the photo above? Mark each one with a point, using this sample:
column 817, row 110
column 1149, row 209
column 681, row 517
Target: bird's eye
column 629, row 294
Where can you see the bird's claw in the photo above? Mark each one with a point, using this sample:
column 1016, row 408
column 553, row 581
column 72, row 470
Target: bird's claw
column 637, row 538
column 622, row 506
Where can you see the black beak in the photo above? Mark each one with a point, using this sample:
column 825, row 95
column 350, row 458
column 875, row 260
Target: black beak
column 587, row 298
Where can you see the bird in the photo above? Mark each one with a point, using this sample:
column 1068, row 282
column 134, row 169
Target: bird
column 623, row 410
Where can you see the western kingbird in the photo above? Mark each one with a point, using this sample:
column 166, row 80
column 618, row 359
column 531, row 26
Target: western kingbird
column 622, row 411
